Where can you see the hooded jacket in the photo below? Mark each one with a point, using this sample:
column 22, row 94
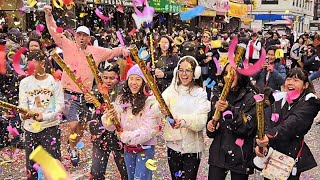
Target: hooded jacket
column 293, row 124
column 240, row 126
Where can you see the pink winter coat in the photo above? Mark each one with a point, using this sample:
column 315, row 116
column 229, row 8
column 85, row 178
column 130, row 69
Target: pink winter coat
column 137, row 129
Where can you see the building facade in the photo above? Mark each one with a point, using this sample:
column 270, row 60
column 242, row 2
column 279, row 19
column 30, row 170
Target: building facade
column 299, row 13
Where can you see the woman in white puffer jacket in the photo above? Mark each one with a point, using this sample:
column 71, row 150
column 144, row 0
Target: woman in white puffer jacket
column 189, row 106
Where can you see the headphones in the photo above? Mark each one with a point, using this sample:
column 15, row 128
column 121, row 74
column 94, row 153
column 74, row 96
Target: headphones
column 197, row 70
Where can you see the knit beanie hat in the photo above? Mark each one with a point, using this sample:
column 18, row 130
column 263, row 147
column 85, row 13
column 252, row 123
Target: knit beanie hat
column 137, row 71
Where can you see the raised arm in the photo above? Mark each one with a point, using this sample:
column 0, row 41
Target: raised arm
column 58, row 38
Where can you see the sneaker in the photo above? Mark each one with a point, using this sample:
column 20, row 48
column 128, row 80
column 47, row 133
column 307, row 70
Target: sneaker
column 74, row 157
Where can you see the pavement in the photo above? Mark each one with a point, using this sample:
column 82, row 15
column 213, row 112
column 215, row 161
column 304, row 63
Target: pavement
column 16, row 169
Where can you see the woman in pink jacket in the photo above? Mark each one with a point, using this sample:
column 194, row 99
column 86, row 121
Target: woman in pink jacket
column 138, row 115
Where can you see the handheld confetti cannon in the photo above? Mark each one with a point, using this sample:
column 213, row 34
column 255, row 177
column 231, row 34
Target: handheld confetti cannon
column 228, row 82
column 9, row 106
column 258, row 161
column 105, row 96
column 48, row 163
column 74, row 78
column 150, row 80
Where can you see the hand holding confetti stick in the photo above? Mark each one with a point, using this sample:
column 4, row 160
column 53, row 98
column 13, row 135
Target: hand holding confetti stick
column 105, row 95
column 75, row 79
column 9, row 106
column 152, row 84
column 49, row 165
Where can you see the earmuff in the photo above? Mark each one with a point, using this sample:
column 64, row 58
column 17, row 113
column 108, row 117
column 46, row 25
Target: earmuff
column 197, row 70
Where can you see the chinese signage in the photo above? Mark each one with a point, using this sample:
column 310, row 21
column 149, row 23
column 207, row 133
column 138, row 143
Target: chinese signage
column 274, row 17
column 165, row 6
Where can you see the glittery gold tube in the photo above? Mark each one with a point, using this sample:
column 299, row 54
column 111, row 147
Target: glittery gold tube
column 9, row 106
column 150, row 80
column 105, row 96
column 224, row 94
column 152, row 51
column 74, row 78
column 227, row 86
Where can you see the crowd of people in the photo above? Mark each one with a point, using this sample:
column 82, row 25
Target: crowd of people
column 191, row 70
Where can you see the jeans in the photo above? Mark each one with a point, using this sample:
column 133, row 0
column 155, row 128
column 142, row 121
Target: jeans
column 314, row 75
column 136, row 164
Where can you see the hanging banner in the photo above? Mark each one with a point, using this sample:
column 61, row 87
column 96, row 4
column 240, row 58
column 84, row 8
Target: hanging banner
column 222, row 6
column 208, row 4
column 165, row 6
column 238, row 10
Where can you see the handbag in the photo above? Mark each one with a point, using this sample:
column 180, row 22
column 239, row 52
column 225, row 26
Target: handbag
column 280, row 166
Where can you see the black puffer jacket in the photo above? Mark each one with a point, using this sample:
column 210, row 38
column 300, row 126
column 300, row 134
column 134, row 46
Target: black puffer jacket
column 224, row 152
column 167, row 65
column 294, row 122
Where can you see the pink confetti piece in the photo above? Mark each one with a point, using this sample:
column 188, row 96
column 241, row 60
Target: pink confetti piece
column 228, row 112
column 120, row 9
column 239, row 142
column 74, row 98
column 217, row 65
column 101, row 16
column 251, row 69
column 36, row 166
column 16, row 64
column 258, row 97
column 39, row 28
column 98, row 111
column 13, row 131
column 120, row 38
column 275, row 117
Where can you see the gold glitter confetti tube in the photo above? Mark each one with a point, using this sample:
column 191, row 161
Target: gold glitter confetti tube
column 150, row 80
column 224, row 94
column 74, row 78
column 152, row 51
column 229, row 79
column 106, row 97
column 9, row 106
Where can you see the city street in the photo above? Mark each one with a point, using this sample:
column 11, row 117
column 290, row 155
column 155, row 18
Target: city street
column 16, row 170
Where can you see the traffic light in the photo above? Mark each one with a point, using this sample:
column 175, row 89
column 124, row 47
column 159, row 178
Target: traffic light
column 254, row 4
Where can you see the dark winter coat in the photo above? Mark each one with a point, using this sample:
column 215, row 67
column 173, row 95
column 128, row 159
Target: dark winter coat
column 312, row 64
column 167, row 65
column 224, row 152
column 276, row 78
column 210, row 66
column 293, row 123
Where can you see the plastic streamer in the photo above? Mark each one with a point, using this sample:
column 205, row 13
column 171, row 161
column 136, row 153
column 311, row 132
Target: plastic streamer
column 120, row 38
column 101, row 16
column 32, row 2
column 39, row 28
column 250, row 70
column 16, row 64
column 58, row 6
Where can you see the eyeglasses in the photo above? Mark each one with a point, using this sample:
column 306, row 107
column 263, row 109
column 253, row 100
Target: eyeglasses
column 187, row 71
